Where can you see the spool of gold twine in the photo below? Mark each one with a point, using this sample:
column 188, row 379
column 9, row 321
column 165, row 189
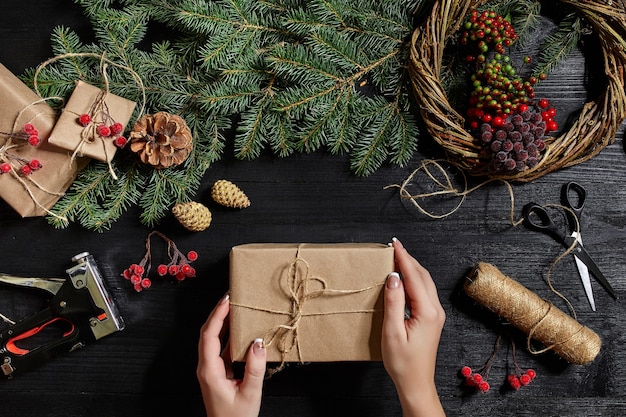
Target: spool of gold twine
column 536, row 317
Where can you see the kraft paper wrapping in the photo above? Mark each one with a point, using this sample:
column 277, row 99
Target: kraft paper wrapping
column 45, row 185
column 68, row 133
column 309, row 302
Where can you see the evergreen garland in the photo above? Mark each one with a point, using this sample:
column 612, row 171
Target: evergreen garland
column 299, row 76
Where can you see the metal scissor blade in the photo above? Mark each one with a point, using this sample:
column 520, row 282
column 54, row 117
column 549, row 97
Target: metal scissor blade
column 580, row 252
column 583, row 271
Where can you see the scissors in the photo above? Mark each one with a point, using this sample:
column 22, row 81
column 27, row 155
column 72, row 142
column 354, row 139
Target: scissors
column 537, row 218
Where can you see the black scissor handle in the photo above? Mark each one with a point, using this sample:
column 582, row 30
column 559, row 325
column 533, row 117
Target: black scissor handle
column 537, row 218
column 573, row 196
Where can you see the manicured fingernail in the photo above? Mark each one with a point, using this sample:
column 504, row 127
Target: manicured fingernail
column 258, row 348
column 225, row 298
column 393, row 280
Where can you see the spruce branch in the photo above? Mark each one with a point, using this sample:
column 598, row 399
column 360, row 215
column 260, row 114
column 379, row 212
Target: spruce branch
column 558, row 45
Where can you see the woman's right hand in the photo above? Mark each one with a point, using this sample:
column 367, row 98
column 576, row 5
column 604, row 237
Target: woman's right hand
column 409, row 346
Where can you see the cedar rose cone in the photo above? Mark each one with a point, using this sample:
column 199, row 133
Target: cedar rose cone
column 161, row 139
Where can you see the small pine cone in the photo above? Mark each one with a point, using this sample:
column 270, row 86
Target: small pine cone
column 228, row 194
column 161, row 139
column 192, row 215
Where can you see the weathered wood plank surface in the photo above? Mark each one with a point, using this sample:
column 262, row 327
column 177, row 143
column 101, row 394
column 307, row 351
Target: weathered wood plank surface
column 149, row 367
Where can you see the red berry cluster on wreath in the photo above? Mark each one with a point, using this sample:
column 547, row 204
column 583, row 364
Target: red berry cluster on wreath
column 26, row 167
column 502, row 108
column 113, row 130
column 178, row 266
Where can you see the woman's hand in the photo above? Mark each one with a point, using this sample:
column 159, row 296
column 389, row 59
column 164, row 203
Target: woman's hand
column 409, row 346
column 224, row 396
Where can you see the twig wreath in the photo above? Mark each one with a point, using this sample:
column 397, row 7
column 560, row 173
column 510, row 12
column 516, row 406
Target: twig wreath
column 595, row 127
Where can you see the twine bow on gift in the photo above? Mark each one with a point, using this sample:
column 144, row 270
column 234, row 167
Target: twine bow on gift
column 6, row 156
column 99, row 107
column 299, row 282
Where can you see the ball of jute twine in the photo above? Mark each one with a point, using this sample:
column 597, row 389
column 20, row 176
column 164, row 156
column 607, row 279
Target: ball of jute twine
column 536, row 317
column 597, row 123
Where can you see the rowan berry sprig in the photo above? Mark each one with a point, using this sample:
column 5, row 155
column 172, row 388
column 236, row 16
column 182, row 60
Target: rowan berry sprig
column 28, row 133
column 112, row 130
column 10, row 162
column 517, row 378
column 178, row 266
column 478, row 379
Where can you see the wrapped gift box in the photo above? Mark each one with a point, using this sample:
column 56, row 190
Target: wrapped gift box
column 31, row 195
column 309, row 302
column 71, row 135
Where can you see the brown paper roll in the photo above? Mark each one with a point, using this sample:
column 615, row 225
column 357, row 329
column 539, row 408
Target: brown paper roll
column 536, row 317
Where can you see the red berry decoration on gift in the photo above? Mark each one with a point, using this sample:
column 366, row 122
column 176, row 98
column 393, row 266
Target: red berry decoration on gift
column 178, row 267
column 84, row 119
column 503, row 113
column 102, row 129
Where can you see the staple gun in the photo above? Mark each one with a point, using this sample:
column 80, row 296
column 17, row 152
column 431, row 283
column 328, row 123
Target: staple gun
column 80, row 307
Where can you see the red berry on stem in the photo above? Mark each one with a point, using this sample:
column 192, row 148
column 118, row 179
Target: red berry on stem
column 120, row 141
column 28, row 128
column 162, row 269
column 531, row 373
column 192, row 255
column 35, row 164
column 172, row 269
column 116, row 128
column 34, row 140
column 483, row 386
column 466, row 371
column 26, row 170
column 146, row 283
column 5, row 167
column 135, row 279
column 103, row 131
column 543, row 103
column 84, row 119
column 524, row 379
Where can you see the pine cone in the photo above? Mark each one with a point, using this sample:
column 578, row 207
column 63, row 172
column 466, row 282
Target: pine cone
column 228, row 194
column 161, row 140
column 192, row 215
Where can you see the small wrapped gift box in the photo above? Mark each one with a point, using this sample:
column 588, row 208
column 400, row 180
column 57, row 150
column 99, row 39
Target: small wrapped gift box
column 309, row 302
column 33, row 194
column 84, row 136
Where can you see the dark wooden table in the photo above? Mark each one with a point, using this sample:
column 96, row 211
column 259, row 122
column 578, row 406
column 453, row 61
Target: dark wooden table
column 149, row 367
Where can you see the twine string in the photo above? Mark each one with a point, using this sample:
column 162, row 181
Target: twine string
column 299, row 280
column 535, row 316
column 447, row 188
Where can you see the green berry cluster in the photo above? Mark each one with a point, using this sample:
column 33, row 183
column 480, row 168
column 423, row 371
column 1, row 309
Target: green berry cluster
column 500, row 96
column 497, row 89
